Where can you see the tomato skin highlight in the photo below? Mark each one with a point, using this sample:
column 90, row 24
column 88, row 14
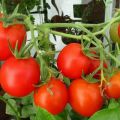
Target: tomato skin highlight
column 13, row 33
column 112, row 90
column 18, row 76
column 85, row 98
column 52, row 96
column 72, row 62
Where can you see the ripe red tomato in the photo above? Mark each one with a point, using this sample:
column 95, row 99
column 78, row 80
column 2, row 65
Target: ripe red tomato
column 12, row 33
column 112, row 90
column 18, row 76
column 52, row 96
column 72, row 62
column 95, row 63
column 85, row 98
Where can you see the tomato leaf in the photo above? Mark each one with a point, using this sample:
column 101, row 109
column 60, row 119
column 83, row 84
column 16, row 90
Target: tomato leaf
column 27, row 111
column 27, row 100
column 42, row 114
column 8, row 108
column 113, row 104
column 32, row 117
column 107, row 114
column 75, row 116
column 6, row 96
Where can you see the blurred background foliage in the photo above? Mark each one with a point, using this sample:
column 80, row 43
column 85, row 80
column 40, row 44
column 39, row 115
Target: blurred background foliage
column 25, row 6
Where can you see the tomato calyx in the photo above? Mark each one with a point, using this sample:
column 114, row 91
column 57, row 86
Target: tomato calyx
column 24, row 51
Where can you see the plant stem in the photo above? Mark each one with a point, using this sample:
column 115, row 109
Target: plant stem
column 16, row 112
column 73, row 36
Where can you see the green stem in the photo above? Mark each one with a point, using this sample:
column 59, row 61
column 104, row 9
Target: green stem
column 31, row 27
column 107, row 26
column 16, row 112
column 113, row 57
column 72, row 36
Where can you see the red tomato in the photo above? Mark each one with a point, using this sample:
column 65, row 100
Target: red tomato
column 85, row 98
column 72, row 62
column 119, row 30
column 95, row 63
column 52, row 96
column 12, row 33
column 18, row 76
column 112, row 90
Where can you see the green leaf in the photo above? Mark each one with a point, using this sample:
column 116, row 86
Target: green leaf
column 6, row 96
column 107, row 114
column 42, row 114
column 27, row 111
column 8, row 108
column 27, row 100
column 113, row 104
column 75, row 116
column 63, row 115
column 32, row 117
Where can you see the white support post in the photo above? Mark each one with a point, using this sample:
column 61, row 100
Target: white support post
column 108, row 16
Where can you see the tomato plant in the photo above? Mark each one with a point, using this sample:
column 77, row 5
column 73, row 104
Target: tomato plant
column 15, row 34
column 83, row 98
column 18, row 77
column 112, row 89
column 53, row 96
column 84, row 95
column 72, row 62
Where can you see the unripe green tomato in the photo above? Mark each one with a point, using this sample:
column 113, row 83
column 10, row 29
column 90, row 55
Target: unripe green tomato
column 115, row 32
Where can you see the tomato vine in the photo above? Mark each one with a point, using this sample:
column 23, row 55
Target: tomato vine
column 45, row 54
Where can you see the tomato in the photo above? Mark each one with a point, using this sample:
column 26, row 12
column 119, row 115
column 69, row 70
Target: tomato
column 85, row 98
column 112, row 89
column 95, row 63
column 115, row 32
column 19, row 76
column 12, row 33
column 52, row 96
column 72, row 62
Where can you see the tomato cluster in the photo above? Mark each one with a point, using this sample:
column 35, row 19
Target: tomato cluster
column 73, row 63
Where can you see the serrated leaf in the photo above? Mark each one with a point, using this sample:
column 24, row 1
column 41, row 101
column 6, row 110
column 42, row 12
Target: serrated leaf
column 42, row 114
column 27, row 111
column 8, row 108
column 27, row 100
